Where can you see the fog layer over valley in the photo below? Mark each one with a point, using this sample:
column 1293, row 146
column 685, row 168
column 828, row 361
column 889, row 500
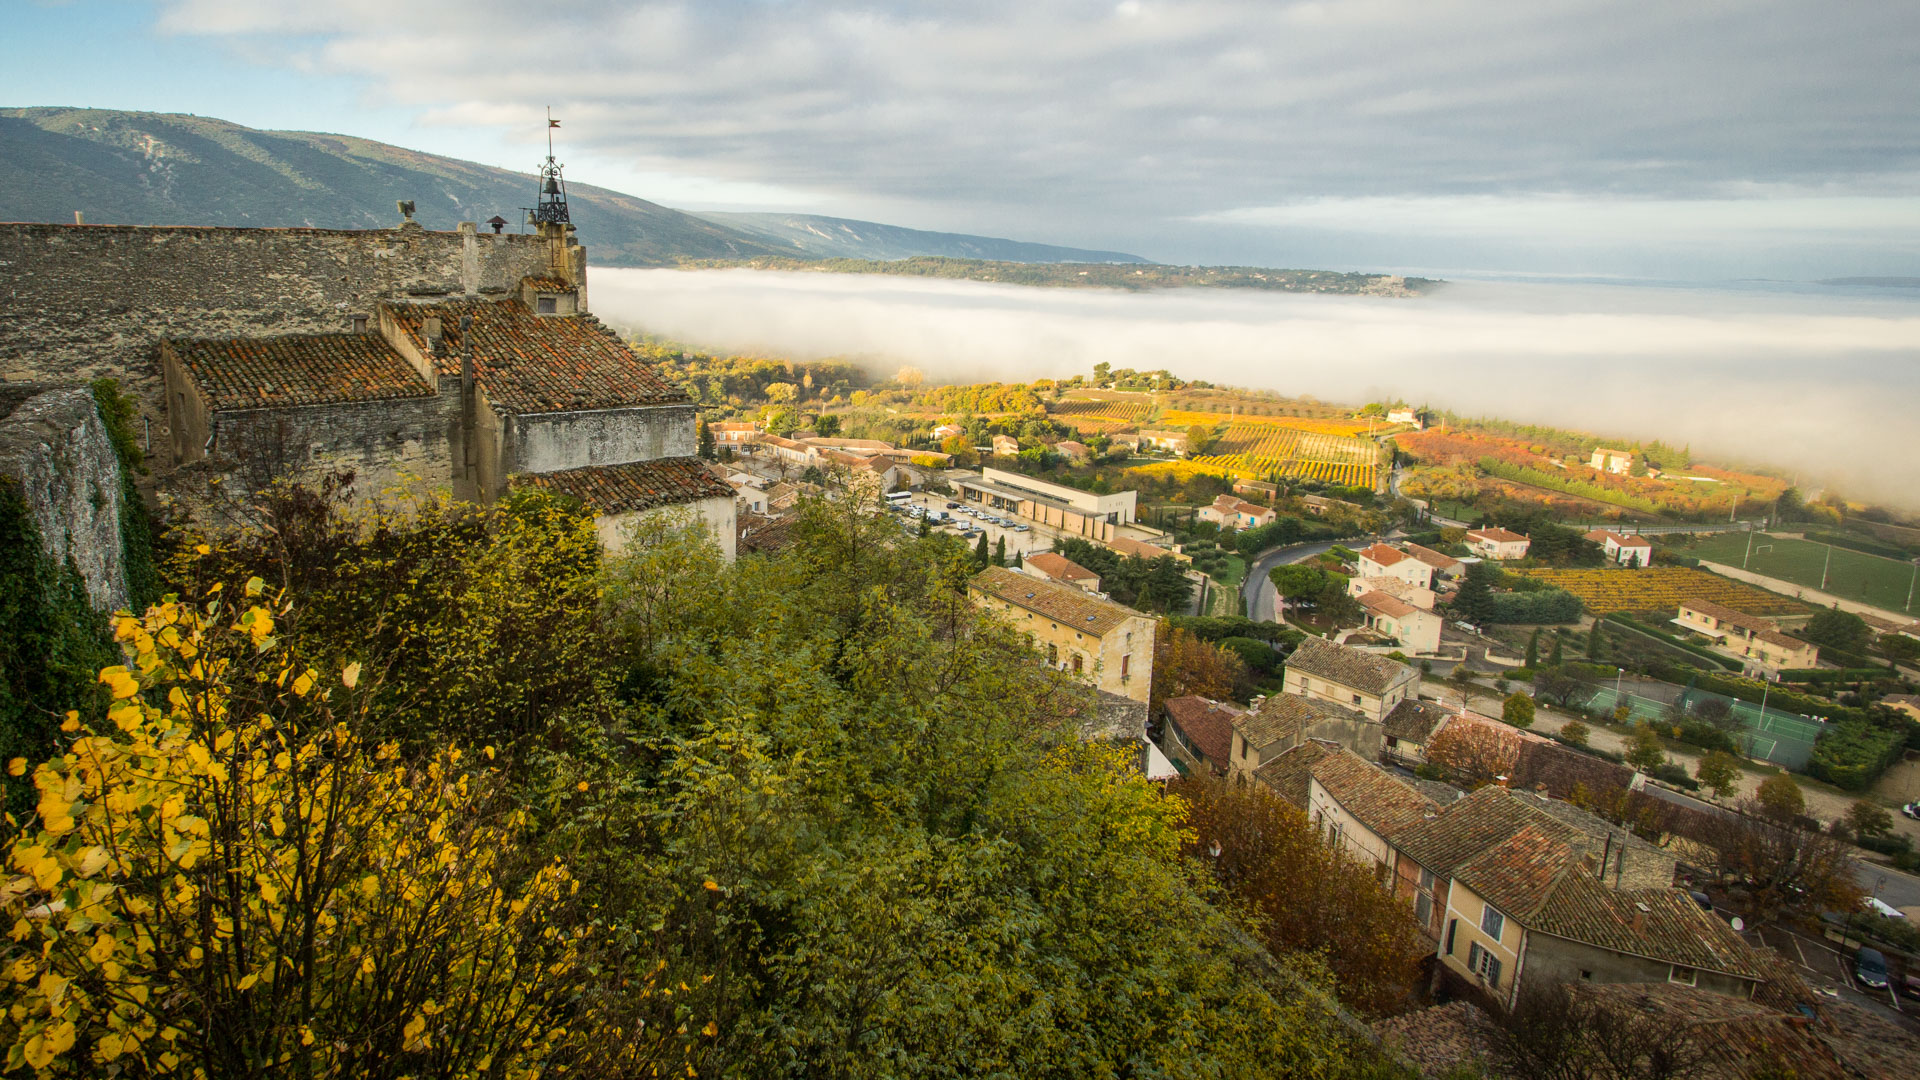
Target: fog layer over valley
column 1822, row 381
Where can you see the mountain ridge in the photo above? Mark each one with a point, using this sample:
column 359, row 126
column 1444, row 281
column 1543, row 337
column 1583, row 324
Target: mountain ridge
column 835, row 237
column 145, row 168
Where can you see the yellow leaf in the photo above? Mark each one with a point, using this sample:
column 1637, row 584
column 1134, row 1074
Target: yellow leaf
column 350, row 675
column 303, row 684
column 119, row 681
column 711, row 1029
column 366, row 966
column 18, row 766
column 72, row 722
column 247, row 982
column 102, row 949
column 255, row 586
column 306, row 1036
column 91, row 860
column 582, row 785
column 712, row 886
column 203, row 549
column 489, row 757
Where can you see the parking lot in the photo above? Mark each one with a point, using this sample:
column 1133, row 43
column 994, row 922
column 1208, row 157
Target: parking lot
column 968, row 521
column 1828, row 969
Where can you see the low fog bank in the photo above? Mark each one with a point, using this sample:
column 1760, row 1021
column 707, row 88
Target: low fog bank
column 1823, row 384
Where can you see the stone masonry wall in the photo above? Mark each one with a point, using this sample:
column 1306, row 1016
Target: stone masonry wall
column 549, row 442
column 80, row 301
column 404, row 444
column 55, row 446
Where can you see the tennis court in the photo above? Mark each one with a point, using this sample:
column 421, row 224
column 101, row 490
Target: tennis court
column 1784, row 738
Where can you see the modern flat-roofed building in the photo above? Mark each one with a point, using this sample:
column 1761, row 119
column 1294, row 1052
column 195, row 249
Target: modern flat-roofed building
column 1070, row 510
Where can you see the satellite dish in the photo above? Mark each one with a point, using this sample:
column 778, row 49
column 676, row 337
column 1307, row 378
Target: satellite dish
column 1739, row 924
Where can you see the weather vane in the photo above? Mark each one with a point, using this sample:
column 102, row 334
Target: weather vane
column 551, row 208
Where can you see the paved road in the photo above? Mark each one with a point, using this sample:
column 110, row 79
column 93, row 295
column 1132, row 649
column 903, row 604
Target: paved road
column 1258, row 590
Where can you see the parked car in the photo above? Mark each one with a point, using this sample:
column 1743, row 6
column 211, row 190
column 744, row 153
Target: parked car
column 1870, row 967
column 1705, row 902
column 953, row 506
column 1881, row 907
column 1912, row 810
column 1022, row 528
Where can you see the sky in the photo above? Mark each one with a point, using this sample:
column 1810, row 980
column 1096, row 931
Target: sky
column 1634, row 139
column 1818, row 381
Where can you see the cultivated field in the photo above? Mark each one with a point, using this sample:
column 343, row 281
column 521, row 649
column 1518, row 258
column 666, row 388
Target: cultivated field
column 1855, row 575
column 1657, row 591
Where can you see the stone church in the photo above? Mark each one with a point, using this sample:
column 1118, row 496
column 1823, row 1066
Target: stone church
column 464, row 361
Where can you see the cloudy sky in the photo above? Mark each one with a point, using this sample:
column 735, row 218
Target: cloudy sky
column 1702, row 140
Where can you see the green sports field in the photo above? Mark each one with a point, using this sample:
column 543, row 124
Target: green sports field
column 1854, row 575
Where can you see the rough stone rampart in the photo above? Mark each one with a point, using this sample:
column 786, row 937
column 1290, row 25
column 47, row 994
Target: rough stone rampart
column 55, row 447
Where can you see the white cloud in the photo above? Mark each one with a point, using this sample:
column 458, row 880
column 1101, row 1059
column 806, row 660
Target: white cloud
column 1077, row 116
column 1814, row 382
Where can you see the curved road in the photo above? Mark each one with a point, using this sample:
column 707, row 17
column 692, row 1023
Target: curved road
column 1258, row 591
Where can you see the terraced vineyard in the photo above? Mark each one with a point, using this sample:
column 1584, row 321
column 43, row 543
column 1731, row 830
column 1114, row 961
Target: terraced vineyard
column 1658, row 591
column 1258, row 449
column 1177, row 418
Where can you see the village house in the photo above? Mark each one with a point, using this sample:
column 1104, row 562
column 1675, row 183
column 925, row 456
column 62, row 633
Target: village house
column 1367, row 683
column 1124, row 440
column 1357, row 805
column 1385, row 561
column 1613, row 461
column 622, row 495
column 734, row 433
column 1320, row 505
column 1107, row 644
column 1424, row 599
column 1624, row 550
column 1130, row 548
column 1416, row 631
column 1409, row 728
column 1075, row 452
column 1443, row 564
column 1005, row 446
column 1405, row 416
column 1273, row 725
column 1497, row 543
column 1906, row 703
column 1050, row 566
column 948, row 431
column 1201, row 731
column 1259, row 489
column 1082, row 513
column 1175, row 441
column 789, row 453
column 1753, row 639
column 1232, row 512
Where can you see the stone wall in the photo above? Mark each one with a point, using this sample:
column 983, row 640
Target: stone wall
column 55, row 446
column 404, row 444
column 551, row 442
column 83, row 301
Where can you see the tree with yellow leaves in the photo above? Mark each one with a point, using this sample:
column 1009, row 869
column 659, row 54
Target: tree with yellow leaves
column 222, row 878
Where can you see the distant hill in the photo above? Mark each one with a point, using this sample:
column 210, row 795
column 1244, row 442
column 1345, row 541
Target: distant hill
column 831, row 237
column 139, row 168
column 142, row 168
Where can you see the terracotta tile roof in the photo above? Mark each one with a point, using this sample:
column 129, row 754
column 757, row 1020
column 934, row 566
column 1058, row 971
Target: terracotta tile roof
column 1285, row 716
column 1439, row 560
column 1060, row 567
column 1437, row 1040
column 1871, row 1045
column 638, row 485
column 1601, row 536
column 1135, row 549
column 1384, row 555
column 1414, row 721
column 1206, row 724
column 1064, row 604
column 1467, row 828
column 546, row 284
column 1372, row 794
column 735, row 425
column 1781, row 641
column 528, row 363
column 1740, row 1039
column 1390, row 606
column 298, row 369
column 1496, row 534
column 1741, row 619
column 1517, row 873
column 1364, row 671
column 1289, row 772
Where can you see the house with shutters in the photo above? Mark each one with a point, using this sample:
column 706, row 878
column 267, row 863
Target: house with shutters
column 1365, row 682
column 1107, row 644
column 1497, row 543
column 1623, row 550
column 1386, row 561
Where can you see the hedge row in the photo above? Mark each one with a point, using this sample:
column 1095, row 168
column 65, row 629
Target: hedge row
column 1691, row 649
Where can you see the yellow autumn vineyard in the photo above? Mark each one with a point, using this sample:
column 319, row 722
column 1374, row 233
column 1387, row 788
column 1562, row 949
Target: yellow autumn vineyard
column 1659, row 590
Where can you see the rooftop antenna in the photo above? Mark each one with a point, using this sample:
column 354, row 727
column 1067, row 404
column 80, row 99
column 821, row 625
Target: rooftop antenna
column 551, row 208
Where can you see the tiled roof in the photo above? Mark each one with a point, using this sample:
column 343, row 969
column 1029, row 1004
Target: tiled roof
column 546, row 284
column 1207, row 724
column 1064, row 604
column 529, row 363
column 1873, row 1046
column 1060, row 567
column 1289, row 772
column 1601, row 536
column 1467, row 828
column 1136, row 549
column 1780, row 640
column 1437, row 1041
column 638, row 485
column 1727, row 615
column 1370, row 793
column 1415, row 720
column 1284, row 716
column 298, row 369
column 1497, row 535
column 1439, row 560
column 1739, row 1038
column 1382, row 554
column 1364, row 671
column 1390, row 606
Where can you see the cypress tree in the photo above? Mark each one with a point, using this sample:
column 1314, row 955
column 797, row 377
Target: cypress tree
column 999, row 552
column 980, row 556
column 1554, row 660
column 1533, row 649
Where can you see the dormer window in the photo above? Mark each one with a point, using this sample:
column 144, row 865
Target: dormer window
column 546, row 304
column 359, row 324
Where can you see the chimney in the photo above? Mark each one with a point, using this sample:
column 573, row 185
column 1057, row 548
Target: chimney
column 1501, row 780
column 1640, row 918
column 430, row 329
column 79, row 218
